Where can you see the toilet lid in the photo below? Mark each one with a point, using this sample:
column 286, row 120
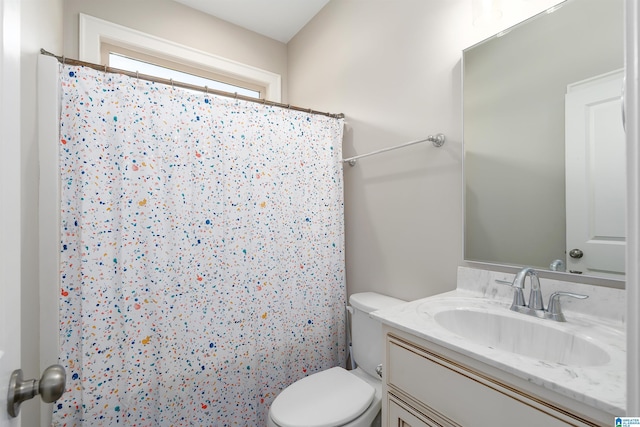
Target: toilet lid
column 329, row 398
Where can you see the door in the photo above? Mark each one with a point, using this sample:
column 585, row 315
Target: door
column 10, row 200
column 595, row 177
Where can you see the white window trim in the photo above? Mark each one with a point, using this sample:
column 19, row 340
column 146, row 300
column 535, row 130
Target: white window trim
column 94, row 31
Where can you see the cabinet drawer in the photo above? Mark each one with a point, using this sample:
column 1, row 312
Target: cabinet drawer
column 466, row 397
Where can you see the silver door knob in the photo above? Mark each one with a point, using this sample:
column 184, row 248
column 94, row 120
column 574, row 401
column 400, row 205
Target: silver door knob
column 50, row 388
column 576, row 253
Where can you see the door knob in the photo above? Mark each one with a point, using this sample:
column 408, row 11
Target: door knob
column 576, row 253
column 50, row 388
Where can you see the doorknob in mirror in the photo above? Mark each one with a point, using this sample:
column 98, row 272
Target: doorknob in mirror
column 50, row 388
column 576, row 253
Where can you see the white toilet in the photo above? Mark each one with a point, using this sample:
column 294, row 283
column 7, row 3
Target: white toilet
column 337, row 397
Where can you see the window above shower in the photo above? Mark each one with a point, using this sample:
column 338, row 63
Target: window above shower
column 126, row 59
column 104, row 42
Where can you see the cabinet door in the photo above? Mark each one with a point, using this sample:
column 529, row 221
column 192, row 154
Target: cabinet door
column 400, row 416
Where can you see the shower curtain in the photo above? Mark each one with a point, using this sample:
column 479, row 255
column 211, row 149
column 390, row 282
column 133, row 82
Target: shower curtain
column 202, row 253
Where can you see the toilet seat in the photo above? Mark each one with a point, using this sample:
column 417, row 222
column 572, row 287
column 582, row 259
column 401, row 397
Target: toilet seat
column 325, row 399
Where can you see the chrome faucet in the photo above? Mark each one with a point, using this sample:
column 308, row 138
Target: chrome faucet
column 535, row 307
column 535, row 296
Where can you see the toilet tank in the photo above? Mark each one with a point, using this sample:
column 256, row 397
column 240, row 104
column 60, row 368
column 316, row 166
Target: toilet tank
column 366, row 332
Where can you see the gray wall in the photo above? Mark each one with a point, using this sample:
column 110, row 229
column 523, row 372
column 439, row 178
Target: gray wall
column 393, row 67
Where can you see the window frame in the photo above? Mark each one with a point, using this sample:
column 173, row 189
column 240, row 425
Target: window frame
column 95, row 32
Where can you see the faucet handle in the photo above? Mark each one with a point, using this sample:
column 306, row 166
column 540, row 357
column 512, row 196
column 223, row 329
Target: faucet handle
column 518, row 295
column 554, row 311
column 535, row 296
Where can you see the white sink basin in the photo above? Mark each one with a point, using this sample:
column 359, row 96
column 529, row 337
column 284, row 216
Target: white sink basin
column 522, row 335
column 583, row 359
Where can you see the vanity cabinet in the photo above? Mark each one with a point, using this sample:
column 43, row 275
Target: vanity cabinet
column 429, row 385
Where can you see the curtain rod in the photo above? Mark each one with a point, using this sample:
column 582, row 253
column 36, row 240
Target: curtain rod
column 174, row 83
column 437, row 140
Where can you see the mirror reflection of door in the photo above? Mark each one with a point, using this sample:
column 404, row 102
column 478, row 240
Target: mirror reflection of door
column 595, row 176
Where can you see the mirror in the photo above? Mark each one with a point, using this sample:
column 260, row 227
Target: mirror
column 526, row 92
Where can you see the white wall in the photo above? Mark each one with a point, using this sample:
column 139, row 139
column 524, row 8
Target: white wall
column 176, row 22
column 41, row 27
column 393, row 67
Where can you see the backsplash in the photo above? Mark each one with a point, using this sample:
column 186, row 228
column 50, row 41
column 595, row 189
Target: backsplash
column 606, row 303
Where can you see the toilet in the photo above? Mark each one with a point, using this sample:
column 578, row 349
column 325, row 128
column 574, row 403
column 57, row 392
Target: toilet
column 337, row 397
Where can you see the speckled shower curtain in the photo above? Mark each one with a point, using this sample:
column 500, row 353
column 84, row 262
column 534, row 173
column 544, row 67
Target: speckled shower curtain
column 202, row 254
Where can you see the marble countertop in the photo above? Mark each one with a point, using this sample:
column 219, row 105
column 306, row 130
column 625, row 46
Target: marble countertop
column 602, row 386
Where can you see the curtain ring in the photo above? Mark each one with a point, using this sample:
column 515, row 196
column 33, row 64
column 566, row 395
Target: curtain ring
column 264, row 101
column 63, row 60
column 171, row 80
column 137, row 76
column 105, row 68
column 206, row 90
column 235, row 96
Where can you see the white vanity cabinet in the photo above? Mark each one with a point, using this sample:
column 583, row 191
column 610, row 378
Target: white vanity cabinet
column 425, row 384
